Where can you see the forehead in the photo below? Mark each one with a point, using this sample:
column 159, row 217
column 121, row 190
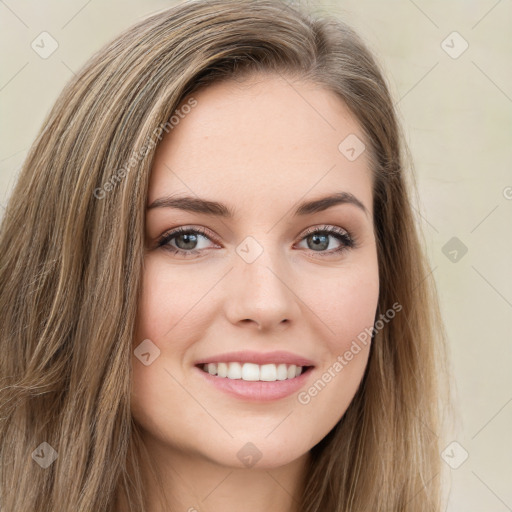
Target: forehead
column 264, row 140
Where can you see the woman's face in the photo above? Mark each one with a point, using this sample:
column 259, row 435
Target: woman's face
column 283, row 282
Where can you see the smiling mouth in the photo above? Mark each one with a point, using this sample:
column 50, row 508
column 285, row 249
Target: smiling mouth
column 251, row 372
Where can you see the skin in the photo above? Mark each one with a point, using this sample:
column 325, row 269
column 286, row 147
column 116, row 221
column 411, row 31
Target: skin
column 260, row 146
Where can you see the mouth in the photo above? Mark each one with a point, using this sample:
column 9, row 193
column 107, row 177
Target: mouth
column 251, row 372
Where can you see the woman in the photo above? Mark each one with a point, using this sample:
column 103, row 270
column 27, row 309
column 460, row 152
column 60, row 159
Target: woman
column 213, row 294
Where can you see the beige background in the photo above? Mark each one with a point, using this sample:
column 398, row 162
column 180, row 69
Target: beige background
column 457, row 114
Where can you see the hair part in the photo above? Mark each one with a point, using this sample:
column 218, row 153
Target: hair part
column 70, row 279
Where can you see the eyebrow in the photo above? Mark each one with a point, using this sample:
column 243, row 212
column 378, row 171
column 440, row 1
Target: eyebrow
column 198, row 205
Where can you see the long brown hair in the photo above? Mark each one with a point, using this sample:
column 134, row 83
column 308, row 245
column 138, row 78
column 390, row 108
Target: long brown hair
column 71, row 259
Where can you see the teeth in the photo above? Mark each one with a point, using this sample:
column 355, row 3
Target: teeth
column 250, row 372
column 282, row 372
column 253, row 372
column 222, row 370
column 234, row 371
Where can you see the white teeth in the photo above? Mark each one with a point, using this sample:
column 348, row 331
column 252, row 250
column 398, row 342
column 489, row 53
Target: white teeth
column 250, row 371
column 222, row 370
column 282, row 372
column 234, row 371
column 253, row 372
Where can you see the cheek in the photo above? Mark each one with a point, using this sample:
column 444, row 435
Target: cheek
column 346, row 304
column 356, row 303
column 168, row 297
column 170, row 314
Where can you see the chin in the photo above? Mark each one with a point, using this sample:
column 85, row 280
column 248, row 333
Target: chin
column 258, row 453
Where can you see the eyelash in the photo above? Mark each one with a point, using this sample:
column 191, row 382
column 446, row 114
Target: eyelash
column 348, row 241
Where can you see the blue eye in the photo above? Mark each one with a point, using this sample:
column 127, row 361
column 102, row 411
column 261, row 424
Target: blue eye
column 184, row 241
column 319, row 238
column 186, row 238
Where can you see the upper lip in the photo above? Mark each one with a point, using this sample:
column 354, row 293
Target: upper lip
column 257, row 358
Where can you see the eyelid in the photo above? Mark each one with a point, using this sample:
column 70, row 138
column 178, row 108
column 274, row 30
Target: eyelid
column 330, row 228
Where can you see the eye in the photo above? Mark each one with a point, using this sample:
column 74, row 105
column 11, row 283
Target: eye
column 317, row 239
column 187, row 241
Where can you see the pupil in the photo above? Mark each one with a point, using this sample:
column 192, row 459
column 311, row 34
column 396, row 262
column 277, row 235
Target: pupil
column 189, row 239
column 317, row 242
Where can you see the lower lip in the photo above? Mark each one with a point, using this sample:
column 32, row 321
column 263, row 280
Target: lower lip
column 257, row 391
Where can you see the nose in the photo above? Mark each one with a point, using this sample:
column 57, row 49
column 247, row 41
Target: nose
column 261, row 293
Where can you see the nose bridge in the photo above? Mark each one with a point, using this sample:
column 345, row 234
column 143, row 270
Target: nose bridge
column 261, row 265
column 262, row 291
